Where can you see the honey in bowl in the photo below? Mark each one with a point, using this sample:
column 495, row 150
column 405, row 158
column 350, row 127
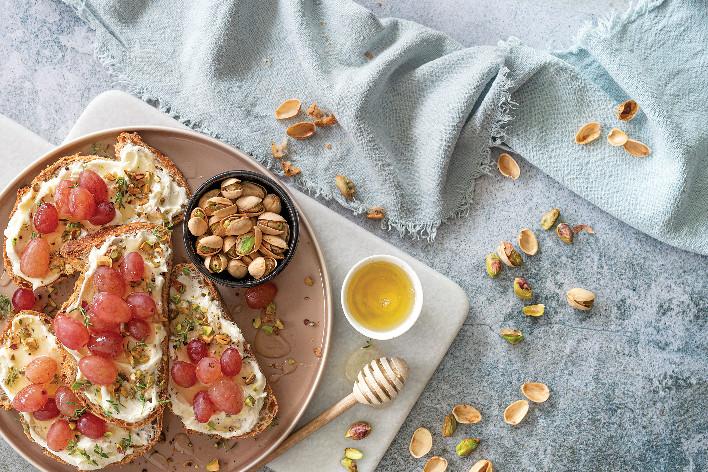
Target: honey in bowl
column 380, row 295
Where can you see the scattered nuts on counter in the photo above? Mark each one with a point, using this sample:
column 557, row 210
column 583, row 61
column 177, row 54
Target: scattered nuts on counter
column 346, row 187
column 588, row 133
column 353, row 453
column 565, row 233
column 349, row 464
column 466, row 414
column 549, row 218
column 617, row 137
column 482, row 466
column 509, row 255
column 534, row 310
column 435, row 464
column 626, row 110
column 537, row 392
column 516, row 412
column 301, row 130
column 449, row 426
column 358, row 430
column 512, row 336
column 527, row 242
column 580, row 299
column 421, row 443
column 493, row 264
column 279, row 150
column 376, row 213
column 288, row 109
column 637, row 148
column 508, row 167
column 522, row 289
column 465, row 447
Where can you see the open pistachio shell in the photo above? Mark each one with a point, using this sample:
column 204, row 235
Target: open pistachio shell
column 215, row 204
column 617, row 137
column 272, row 223
column 508, row 167
column 249, row 205
column 637, row 148
column 231, row 188
column 535, row 391
column 207, row 195
column 528, row 242
column 435, row 464
column 516, row 412
column 534, row 310
column 197, row 226
column 626, row 110
column 253, row 189
column 288, row 109
column 209, row 245
column 466, row 414
column 216, row 263
column 482, row 466
column 301, row 130
column 271, row 203
column 580, row 299
column 588, row 133
column 421, row 443
column 508, row 255
column 236, row 225
column 197, row 213
column 261, row 266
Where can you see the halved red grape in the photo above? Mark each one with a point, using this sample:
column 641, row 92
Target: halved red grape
column 46, row 218
column 48, row 411
column 23, row 299
column 203, row 407
column 110, row 307
column 93, row 182
column 184, row 373
column 30, row 399
column 197, row 350
column 34, row 261
column 61, row 197
column 67, row 401
column 226, row 396
column 261, row 295
column 99, row 325
column 209, row 370
column 141, row 305
column 231, row 362
column 91, row 426
column 105, row 212
column 138, row 329
column 98, row 370
column 106, row 344
column 59, row 434
column 41, row 370
column 82, row 205
column 107, row 279
column 133, row 267
column 70, row 332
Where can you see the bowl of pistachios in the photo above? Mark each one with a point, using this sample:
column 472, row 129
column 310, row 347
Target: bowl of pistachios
column 241, row 228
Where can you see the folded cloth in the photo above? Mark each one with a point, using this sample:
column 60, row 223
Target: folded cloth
column 417, row 112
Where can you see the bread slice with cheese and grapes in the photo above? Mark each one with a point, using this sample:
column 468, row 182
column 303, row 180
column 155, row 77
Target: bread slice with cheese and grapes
column 29, row 335
column 138, row 184
column 198, row 314
column 138, row 393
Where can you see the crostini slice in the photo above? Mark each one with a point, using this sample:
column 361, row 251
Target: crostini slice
column 216, row 384
column 79, row 195
column 30, row 353
column 114, row 325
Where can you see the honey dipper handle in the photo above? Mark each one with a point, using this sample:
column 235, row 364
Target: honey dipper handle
column 324, row 418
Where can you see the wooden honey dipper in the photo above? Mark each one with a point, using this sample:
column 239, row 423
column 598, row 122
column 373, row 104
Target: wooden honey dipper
column 378, row 382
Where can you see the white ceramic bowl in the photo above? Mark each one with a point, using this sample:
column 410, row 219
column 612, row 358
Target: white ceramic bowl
column 417, row 302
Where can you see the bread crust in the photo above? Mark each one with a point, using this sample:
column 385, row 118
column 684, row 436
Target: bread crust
column 76, row 254
column 270, row 407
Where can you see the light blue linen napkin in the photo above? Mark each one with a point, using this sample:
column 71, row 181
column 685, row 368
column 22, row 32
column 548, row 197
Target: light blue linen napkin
column 418, row 113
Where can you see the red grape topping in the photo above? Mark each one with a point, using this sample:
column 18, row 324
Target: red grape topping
column 226, row 396
column 208, row 370
column 93, row 182
column 67, row 401
column 141, row 305
column 91, row 426
column 34, row 261
column 46, row 218
column 41, row 370
column 48, row 411
column 30, row 399
column 197, row 350
column 133, row 267
column 203, row 407
column 108, row 279
column 184, row 374
column 70, row 332
column 82, row 205
column 110, row 308
column 106, row 344
column 59, row 434
column 23, row 299
column 261, row 295
column 231, row 362
column 98, row 370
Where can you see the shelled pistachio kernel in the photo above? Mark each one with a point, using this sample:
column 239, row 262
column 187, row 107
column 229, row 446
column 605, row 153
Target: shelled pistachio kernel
column 512, row 336
column 493, row 265
column 465, row 447
column 522, row 288
column 349, row 464
column 358, row 430
column 353, row 453
column 213, row 465
column 549, row 218
column 565, row 233
column 534, row 310
column 449, row 426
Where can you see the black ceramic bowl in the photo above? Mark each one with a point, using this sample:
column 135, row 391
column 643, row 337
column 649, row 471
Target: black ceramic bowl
column 288, row 211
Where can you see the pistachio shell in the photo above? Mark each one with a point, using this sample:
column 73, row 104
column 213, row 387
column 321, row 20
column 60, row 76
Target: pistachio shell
column 482, row 466
column 208, row 245
column 301, row 130
column 535, row 391
column 421, row 443
column 637, row 148
column 207, row 195
column 509, row 255
column 261, row 266
column 508, row 167
column 254, row 190
column 516, row 412
column 236, row 226
column 528, row 242
column 288, row 109
column 588, row 133
column 534, row 310
column 346, row 186
column 272, row 223
column 549, row 218
column 197, row 226
column 224, row 212
column 466, row 414
column 435, row 464
column 231, row 188
column 216, row 263
column 626, row 110
column 237, row 268
column 617, row 137
column 580, row 299
column 271, row 203
column 249, row 205
column 565, row 233
column 197, row 213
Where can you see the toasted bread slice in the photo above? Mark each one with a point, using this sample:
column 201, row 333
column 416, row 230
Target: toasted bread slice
column 137, row 398
column 143, row 185
column 29, row 335
column 196, row 309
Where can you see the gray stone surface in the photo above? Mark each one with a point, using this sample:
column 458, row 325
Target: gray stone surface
column 629, row 379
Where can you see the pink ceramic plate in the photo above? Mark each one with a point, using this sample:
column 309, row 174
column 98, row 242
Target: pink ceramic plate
column 294, row 376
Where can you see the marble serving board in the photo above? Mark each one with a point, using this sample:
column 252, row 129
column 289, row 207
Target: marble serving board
column 343, row 243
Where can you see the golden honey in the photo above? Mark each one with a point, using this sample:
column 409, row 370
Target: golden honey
column 380, row 296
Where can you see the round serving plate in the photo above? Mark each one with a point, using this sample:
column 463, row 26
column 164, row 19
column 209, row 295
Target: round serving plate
column 303, row 303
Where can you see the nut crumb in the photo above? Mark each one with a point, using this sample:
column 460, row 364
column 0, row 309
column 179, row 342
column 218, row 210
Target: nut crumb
column 309, row 281
column 328, row 146
column 317, row 351
column 376, row 213
column 289, row 169
column 580, row 228
column 315, row 111
column 279, row 150
column 369, row 55
column 328, row 120
column 310, row 323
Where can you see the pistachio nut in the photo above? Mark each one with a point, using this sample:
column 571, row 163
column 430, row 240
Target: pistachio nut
column 537, row 392
column 527, row 241
column 273, row 246
column 237, row 269
column 588, row 133
column 198, row 213
column 252, row 189
column 534, row 310
column 249, row 243
column 261, row 266
column 346, row 186
column 271, row 203
column 549, row 218
column 272, row 223
column 197, row 226
column 215, row 204
column 353, row 453
column 508, row 167
column 250, row 205
column 435, row 464
column 224, row 212
column 216, row 263
column 212, row 466
column 358, row 430
column 465, row 447
column 516, row 412
column 626, row 110
column 565, row 233
column 577, row 229
column 236, row 225
column 617, row 137
column 509, row 255
column 231, row 188
column 449, row 426
column 494, row 265
column 522, row 289
column 209, row 245
column 349, row 464
column 288, row 109
column 207, row 195
column 512, row 336
column 421, row 443
column 466, row 414
column 482, row 466
column 580, row 299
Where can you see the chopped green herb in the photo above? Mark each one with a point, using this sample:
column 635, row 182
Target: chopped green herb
column 211, row 426
column 5, row 306
column 121, row 191
column 12, row 376
column 125, row 443
column 79, row 384
column 99, row 451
